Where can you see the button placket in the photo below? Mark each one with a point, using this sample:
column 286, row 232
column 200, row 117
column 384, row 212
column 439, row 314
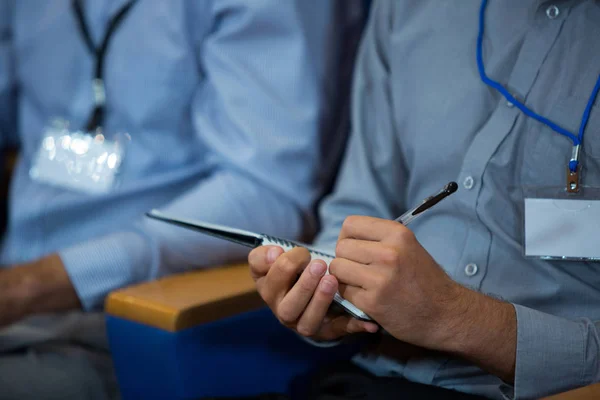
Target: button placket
column 483, row 147
column 535, row 47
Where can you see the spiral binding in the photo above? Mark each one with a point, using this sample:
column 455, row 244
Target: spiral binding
column 291, row 244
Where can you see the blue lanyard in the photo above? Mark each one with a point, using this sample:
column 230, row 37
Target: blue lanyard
column 576, row 139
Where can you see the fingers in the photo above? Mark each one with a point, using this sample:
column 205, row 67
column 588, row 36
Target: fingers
column 305, row 303
column 296, row 300
column 281, row 276
column 353, row 294
column 356, row 326
column 361, row 251
column 351, row 273
column 344, row 325
column 373, row 253
column 312, row 318
column 261, row 259
column 315, row 323
column 367, row 228
column 376, row 230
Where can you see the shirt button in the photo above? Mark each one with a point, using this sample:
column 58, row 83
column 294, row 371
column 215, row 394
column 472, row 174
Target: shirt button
column 468, row 182
column 471, row 269
column 509, row 104
column 552, row 12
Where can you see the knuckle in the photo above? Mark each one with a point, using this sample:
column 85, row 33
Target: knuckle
column 268, row 297
column 286, row 324
column 403, row 236
column 287, row 265
column 285, row 315
column 349, row 222
column 389, row 255
column 286, row 318
column 342, row 247
column 370, row 304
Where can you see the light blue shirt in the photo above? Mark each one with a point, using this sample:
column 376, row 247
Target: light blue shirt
column 422, row 117
column 223, row 101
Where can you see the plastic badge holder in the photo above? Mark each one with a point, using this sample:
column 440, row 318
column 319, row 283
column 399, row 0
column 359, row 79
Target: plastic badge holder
column 79, row 160
column 560, row 225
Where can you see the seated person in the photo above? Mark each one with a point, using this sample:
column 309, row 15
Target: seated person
column 210, row 109
column 465, row 313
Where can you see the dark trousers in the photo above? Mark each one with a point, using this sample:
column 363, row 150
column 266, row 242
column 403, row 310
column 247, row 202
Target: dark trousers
column 346, row 381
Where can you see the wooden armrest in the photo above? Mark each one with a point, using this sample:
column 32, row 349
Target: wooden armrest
column 591, row 392
column 185, row 300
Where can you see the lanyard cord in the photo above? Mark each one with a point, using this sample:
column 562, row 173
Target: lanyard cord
column 97, row 117
column 576, row 139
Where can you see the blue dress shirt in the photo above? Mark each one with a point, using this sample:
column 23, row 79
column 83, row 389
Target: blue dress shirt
column 223, row 101
column 423, row 117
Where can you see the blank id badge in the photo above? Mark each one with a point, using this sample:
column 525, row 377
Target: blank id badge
column 78, row 160
column 561, row 225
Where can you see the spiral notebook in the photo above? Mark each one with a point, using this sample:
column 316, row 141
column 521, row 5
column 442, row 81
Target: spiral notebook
column 253, row 240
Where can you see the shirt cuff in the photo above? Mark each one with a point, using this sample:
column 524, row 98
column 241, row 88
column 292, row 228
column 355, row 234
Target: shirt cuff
column 100, row 266
column 553, row 354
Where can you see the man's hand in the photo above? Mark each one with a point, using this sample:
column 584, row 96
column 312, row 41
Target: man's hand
column 38, row 287
column 384, row 271
column 301, row 303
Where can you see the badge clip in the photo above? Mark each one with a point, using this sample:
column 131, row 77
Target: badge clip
column 573, row 174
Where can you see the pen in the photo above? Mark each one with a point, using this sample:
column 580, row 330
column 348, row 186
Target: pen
column 429, row 202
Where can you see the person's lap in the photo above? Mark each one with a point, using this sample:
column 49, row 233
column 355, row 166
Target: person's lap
column 345, row 381
column 42, row 374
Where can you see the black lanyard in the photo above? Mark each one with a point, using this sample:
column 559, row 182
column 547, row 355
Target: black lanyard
column 97, row 117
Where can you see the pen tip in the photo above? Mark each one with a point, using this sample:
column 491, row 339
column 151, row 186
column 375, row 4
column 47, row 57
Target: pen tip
column 451, row 187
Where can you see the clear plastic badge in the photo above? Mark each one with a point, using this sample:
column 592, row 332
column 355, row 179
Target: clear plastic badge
column 562, row 226
column 78, row 160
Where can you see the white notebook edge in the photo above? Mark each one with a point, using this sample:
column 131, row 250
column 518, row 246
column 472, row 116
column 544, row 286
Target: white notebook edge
column 202, row 224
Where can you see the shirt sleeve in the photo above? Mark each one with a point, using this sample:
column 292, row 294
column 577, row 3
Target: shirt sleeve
column 554, row 354
column 258, row 111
